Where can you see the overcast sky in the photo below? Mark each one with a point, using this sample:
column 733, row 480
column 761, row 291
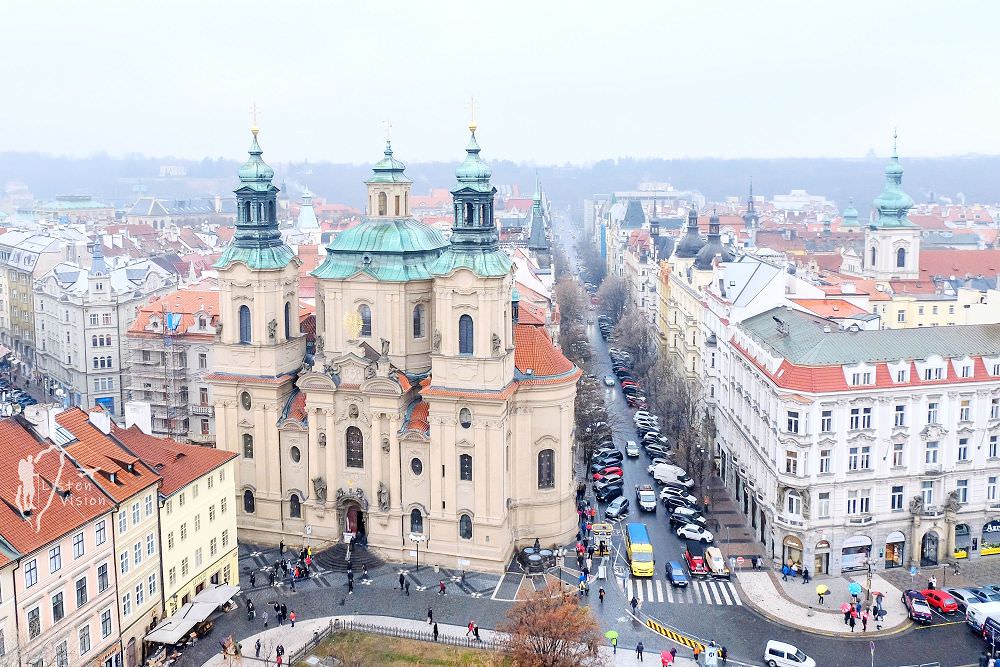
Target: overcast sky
column 554, row 82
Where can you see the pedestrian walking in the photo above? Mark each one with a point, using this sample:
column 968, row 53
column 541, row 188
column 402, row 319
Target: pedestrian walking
column 256, row 647
column 364, row 571
column 820, row 598
column 851, row 622
column 600, row 594
column 805, row 575
column 590, row 552
column 407, row 584
column 442, row 589
column 724, row 654
column 284, row 610
column 253, row 578
column 281, row 547
column 847, row 617
column 857, row 609
column 469, row 631
column 430, row 615
column 614, row 645
column 784, row 573
column 864, row 621
column 265, row 618
column 475, row 633
column 697, row 652
column 350, row 573
column 638, row 651
column 291, row 617
column 932, row 583
column 293, row 583
column 634, row 603
column 435, row 632
column 350, row 586
column 402, row 582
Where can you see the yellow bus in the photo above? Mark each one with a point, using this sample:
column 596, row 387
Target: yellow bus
column 640, row 550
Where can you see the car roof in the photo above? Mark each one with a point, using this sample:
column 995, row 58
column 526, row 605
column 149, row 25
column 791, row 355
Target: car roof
column 774, row 643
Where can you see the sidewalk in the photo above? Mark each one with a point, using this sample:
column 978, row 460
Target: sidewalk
column 295, row 638
column 784, row 601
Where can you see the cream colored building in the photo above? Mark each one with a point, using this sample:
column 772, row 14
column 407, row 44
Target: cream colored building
column 8, row 610
column 428, row 413
column 197, row 514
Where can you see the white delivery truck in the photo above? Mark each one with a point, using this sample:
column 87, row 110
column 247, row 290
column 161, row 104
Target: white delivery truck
column 666, row 472
column 977, row 613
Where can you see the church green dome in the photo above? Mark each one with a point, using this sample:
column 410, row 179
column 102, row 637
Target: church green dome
column 473, row 172
column 390, row 249
column 255, row 172
column 388, row 169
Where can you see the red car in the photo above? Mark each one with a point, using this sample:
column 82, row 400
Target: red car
column 940, row 600
column 607, row 473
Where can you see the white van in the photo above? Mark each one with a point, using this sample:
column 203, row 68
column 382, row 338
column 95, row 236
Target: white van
column 780, row 654
column 977, row 613
column 665, row 472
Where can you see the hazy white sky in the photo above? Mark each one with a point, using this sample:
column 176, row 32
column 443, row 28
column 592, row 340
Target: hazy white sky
column 554, row 82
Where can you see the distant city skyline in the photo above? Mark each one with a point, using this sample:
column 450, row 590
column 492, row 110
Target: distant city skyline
column 554, row 83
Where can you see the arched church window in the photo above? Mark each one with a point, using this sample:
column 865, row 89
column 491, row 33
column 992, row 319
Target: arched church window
column 465, row 331
column 468, row 215
column 546, row 469
column 366, row 319
column 288, row 320
column 245, row 325
column 901, row 258
column 465, row 467
column 465, row 527
column 383, row 203
column 249, row 504
column 355, row 447
column 418, row 321
column 416, row 521
column 247, row 446
column 294, row 506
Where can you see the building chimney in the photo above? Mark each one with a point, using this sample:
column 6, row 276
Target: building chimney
column 139, row 413
column 42, row 418
column 100, row 418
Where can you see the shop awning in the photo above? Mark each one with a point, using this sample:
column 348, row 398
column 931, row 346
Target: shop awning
column 217, row 595
column 172, row 630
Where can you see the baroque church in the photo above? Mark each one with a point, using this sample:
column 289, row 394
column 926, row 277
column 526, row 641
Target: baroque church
column 427, row 415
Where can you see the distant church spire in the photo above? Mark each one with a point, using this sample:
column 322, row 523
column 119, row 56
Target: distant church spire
column 750, row 217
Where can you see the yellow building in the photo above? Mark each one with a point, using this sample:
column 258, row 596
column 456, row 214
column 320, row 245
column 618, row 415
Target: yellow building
column 197, row 516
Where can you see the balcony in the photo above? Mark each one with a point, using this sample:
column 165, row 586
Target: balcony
column 856, row 520
column 933, row 512
column 202, row 410
column 933, row 469
column 201, row 438
column 789, row 521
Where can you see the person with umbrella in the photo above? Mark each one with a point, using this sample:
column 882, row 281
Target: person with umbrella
column 667, row 657
column 613, row 636
column 845, row 609
column 822, row 590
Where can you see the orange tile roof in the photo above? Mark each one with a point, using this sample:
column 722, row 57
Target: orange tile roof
column 297, row 410
column 52, row 516
column 830, row 307
column 249, row 379
column 188, row 302
column 529, row 313
column 93, row 449
column 501, row 395
column 419, row 417
column 178, row 464
column 533, row 350
column 959, row 262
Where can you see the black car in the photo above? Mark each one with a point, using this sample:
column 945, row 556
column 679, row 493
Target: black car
column 656, row 451
column 609, row 492
column 673, row 502
column 608, row 458
column 655, row 438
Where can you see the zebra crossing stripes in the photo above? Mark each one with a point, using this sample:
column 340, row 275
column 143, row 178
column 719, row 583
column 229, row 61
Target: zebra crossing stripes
column 696, row 592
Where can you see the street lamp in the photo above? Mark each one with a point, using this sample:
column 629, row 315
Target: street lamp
column 417, row 538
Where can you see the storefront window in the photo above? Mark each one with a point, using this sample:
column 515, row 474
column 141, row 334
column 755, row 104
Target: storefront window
column 894, row 548
column 991, row 539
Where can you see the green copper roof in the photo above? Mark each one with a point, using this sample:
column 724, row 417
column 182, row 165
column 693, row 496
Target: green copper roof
column 390, row 249
column 473, row 173
column 484, row 263
column 892, row 205
column 389, row 169
column 850, row 215
column 257, row 242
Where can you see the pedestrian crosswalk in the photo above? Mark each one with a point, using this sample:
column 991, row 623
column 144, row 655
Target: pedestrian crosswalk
column 696, row 592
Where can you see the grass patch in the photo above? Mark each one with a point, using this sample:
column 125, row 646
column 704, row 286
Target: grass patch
column 355, row 649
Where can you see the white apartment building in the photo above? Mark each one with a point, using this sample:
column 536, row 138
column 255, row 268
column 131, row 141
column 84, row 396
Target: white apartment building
column 81, row 318
column 844, row 445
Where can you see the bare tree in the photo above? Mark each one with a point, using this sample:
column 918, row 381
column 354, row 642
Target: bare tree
column 592, row 264
column 614, row 297
column 573, row 301
column 635, row 335
column 552, row 629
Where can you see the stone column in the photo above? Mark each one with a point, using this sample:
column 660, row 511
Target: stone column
column 915, row 542
column 949, row 528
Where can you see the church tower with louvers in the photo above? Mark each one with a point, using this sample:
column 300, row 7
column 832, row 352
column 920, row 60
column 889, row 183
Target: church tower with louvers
column 427, row 411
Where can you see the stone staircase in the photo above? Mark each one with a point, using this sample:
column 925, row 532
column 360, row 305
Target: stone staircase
column 335, row 559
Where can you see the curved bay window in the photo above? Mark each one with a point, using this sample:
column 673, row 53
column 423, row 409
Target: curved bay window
column 355, row 447
column 546, row 469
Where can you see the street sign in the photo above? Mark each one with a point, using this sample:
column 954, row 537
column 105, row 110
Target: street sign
column 309, row 529
column 412, row 552
column 913, row 570
column 740, row 560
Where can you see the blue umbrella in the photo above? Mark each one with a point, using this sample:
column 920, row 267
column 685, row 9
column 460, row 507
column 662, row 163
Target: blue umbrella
column 854, row 588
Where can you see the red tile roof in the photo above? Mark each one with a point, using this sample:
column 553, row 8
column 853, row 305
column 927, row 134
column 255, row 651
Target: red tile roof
column 95, row 450
column 188, row 302
column 419, row 417
column 529, row 313
column 51, row 516
column 959, row 263
column 534, row 350
column 178, row 464
column 249, row 379
column 297, row 410
column 830, row 307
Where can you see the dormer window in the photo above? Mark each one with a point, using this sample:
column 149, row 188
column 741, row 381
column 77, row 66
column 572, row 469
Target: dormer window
column 861, row 378
column 932, row 373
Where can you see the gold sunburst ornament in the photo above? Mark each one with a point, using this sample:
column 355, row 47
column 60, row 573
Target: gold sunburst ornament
column 352, row 325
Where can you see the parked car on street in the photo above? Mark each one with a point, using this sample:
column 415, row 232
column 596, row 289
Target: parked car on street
column 916, row 606
column 780, row 654
column 940, row 600
column 693, row 531
column 617, row 509
column 631, row 448
column 645, row 497
column 964, row 597
column 675, row 574
column 685, row 515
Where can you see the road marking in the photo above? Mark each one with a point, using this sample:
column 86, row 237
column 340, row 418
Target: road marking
column 659, row 591
column 649, row 590
column 670, row 593
column 674, row 636
column 736, row 595
column 725, row 594
column 715, row 594
column 629, row 594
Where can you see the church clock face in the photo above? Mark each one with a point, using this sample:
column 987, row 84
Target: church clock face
column 245, row 400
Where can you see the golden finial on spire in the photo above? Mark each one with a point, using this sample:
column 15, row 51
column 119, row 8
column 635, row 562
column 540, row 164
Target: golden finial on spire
column 253, row 119
column 472, row 114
